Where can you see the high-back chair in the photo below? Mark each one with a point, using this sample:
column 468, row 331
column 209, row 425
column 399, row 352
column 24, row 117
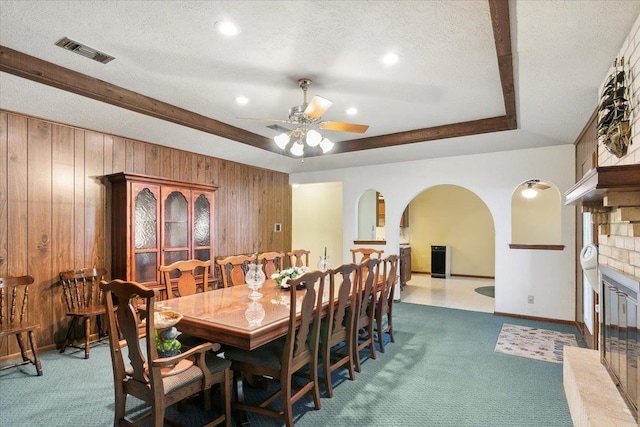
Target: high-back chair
column 299, row 258
column 83, row 300
column 280, row 359
column 16, row 317
column 148, row 377
column 384, row 303
column 233, row 269
column 271, row 261
column 338, row 325
column 182, row 275
column 366, row 285
column 360, row 255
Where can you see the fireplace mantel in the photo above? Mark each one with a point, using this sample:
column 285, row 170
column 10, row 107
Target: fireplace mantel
column 600, row 181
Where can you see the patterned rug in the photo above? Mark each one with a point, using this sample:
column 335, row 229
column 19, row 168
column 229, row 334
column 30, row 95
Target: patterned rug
column 534, row 343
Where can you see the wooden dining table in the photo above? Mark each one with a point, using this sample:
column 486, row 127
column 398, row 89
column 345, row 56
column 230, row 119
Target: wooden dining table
column 229, row 316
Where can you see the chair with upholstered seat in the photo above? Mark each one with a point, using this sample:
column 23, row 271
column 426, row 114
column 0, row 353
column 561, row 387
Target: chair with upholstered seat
column 366, row 284
column 83, row 301
column 280, row 359
column 338, row 325
column 271, row 261
column 159, row 382
column 360, row 255
column 16, row 318
column 180, row 277
column 299, row 258
column 384, row 301
column 233, row 269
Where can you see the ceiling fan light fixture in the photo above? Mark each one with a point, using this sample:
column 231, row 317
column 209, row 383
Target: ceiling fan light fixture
column 326, row 145
column 529, row 192
column 282, row 140
column 297, row 149
column 313, row 138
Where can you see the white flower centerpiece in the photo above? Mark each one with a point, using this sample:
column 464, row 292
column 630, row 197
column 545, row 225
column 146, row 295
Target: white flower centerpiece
column 282, row 276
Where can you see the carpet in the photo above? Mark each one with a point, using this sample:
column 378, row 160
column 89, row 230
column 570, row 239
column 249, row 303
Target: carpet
column 489, row 291
column 534, row 343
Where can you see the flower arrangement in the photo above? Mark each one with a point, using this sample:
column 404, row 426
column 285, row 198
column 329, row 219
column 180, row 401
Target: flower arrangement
column 282, row 276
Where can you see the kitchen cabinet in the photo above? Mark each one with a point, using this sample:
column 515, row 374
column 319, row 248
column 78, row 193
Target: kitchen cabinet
column 380, row 214
column 156, row 221
column 405, row 265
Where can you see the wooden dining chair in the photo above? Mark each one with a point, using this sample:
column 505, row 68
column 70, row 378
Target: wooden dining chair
column 338, row 325
column 17, row 317
column 296, row 352
column 384, row 301
column 180, row 277
column 299, row 258
column 148, row 377
column 83, row 300
column 271, row 262
column 233, row 269
column 366, row 284
column 360, row 255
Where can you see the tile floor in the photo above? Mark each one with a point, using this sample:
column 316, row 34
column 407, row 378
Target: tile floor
column 453, row 292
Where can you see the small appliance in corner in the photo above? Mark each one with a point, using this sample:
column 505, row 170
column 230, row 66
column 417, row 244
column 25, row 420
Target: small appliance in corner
column 440, row 261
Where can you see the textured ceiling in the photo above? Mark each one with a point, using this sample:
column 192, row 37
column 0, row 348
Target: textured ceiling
column 448, row 71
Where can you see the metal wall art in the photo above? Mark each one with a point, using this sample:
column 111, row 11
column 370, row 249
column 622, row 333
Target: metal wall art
column 614, row 111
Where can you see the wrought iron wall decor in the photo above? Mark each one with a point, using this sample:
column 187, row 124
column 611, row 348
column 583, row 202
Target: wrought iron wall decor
column 614, row 111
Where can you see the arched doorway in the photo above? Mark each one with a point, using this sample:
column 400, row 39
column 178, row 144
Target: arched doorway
column 454, row 217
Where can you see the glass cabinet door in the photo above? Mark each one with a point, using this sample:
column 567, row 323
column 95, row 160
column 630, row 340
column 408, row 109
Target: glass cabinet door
column 175, row 208
column 202, row 226
column 145, row 233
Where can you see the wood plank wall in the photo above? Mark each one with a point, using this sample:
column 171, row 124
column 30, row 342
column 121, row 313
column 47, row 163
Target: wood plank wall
column 54, row 214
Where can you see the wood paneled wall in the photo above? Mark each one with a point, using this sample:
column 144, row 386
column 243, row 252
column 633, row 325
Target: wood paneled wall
column 54, row 212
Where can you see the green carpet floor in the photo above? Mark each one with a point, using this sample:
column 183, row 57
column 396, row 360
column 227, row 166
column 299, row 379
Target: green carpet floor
column 441, row 371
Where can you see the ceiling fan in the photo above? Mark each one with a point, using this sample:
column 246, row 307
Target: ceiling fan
column 532, row 186
column 306, row 116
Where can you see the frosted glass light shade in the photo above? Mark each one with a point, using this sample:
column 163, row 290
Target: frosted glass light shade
column 326, row 145
column 297, row 149
column 529, row 193
column 313, row 138
column 282, row 140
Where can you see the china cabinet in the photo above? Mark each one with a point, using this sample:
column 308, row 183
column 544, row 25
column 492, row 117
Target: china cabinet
column 157, row 221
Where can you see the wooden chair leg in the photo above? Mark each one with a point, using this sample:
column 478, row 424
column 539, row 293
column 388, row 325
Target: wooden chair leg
column 390, row 327
column 87, row 334
column 326, row 367
column 380, row 334
column 70, row 331
column 34, row 350
column 23, row 351
column 226, row 396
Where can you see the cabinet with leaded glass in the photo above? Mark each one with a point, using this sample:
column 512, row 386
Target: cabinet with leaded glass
column 156, row 221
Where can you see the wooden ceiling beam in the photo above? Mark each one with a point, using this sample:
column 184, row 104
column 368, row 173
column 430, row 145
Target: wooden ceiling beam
column 38, row 70
column 501, row 24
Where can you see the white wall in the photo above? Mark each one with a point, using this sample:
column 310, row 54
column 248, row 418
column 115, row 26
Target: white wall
column 547, row 275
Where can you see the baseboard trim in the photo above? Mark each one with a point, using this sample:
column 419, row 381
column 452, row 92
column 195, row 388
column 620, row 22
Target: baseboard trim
column 539, row 319
column 473, row 276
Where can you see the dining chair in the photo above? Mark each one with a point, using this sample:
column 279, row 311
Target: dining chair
column 233, row 269
column 338, row 325
column 272, row 262
column 299, row 258
column 366, row 284
column 84, row 301
column 181, row 275
column 159, row 382
column 360, row 255
column 384, row 301
column 16, row 317
column 294, row 353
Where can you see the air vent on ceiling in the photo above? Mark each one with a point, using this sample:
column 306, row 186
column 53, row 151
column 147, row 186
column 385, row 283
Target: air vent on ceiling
column 279, row 128
column 83, row 50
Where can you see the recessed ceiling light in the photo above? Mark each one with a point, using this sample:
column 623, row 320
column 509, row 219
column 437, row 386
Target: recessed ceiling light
column 390, row 58
column 227, row 28
column 242, row 100
column 352, row 111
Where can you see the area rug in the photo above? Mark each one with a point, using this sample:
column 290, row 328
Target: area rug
column 534, row 343
column 489, row 291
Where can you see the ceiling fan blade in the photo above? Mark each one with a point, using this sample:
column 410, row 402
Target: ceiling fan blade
column 541, row 186
column 344, row 127
column 317, row 107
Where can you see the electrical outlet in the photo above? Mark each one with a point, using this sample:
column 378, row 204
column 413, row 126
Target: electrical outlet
column 530, row 299
column 277, row 227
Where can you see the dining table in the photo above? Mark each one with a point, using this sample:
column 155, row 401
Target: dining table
column 233, row 316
